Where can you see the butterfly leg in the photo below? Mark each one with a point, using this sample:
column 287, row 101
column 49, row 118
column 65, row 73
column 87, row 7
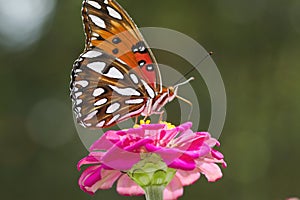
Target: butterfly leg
column 145, row 118
column 161, row 113
column 188, row 102
column 161, row 116
column 148, row 110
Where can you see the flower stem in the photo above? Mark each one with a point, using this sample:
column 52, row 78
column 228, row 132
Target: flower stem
column 154, row 192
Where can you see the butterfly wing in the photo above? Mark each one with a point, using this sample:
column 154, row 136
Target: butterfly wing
column 110, row 28
column 106, row 91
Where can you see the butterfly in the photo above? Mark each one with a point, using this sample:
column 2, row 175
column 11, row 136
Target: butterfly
column 117, row 76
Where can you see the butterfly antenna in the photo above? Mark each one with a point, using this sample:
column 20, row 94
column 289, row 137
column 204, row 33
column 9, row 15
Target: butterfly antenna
column 191, row 70
column 183, row 83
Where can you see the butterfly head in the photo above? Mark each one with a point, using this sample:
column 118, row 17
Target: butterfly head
column 173, row 90
column 172, row 93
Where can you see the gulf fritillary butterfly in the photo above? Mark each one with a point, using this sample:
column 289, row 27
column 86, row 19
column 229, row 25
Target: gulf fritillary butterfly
column 117, row 76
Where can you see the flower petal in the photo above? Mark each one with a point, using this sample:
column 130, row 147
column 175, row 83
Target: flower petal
column 92, row 158
column 174, row 189
column 127, row 187
column 184, row 162
column 188, row 177
column 211, row 171
column 108, row 179
column 85, row 175
column 95, row 178
column 120, row 159
column 138, row 145
column 216, row 154
column 103, row 143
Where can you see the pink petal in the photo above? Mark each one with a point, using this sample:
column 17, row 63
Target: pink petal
column 108, row 179
column 195, row 143
column 185, row 126
column 151, row 127
column 204, row 150
column 95, row 178
column 102, row 144
column 85, row 175
column 184, row 162
column 188, row 177
column 211, row 171
column 167, row 135
column 185, row 138
column 174, row 189
column 216, row 154
column 212, row 142
column 92, row 158
column 138, row 132
column 138, row 145
column 115, row 157
column 127, row 187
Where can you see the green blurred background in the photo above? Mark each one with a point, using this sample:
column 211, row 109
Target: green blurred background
column 256, row 45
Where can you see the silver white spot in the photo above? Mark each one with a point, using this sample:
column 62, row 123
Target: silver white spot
column 113, row 108
column 112, row 12
column 100, row 102
column 75, row 89
column 121, row 61
column 113, row 119
column 78, row 102
column 100, row 124
column 94, row 4
column 95, row 34
column 78, row 71
column 82, row 83
column 105, row 1
column 134, row 101
column 97, row 92
column 97, row 66
column 125, row 91
column 87, row 124
column 134, row 78
column 91, row 54
column 98, row 21
column 114, row 73
column 149, row 90
column 78, row 109
column 78, row 94
column 91, row 115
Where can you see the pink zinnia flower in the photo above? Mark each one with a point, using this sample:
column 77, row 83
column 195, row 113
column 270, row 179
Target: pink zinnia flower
column 189, row 154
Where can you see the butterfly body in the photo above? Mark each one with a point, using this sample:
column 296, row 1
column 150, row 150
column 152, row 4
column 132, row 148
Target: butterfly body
column 116, row 77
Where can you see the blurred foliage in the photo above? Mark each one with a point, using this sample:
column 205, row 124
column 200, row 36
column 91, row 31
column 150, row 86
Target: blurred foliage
column 256, row 45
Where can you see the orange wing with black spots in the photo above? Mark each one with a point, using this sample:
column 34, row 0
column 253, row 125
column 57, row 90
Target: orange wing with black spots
column 110, row 28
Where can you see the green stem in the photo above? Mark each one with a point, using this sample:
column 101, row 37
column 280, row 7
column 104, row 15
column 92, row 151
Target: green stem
column 154, row 192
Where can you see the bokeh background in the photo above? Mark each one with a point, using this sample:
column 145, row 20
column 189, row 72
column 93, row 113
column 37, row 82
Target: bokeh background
column 256, row 45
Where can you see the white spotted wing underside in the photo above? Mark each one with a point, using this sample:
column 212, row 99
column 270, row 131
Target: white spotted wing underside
column 117, row 74
column 105, row 90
